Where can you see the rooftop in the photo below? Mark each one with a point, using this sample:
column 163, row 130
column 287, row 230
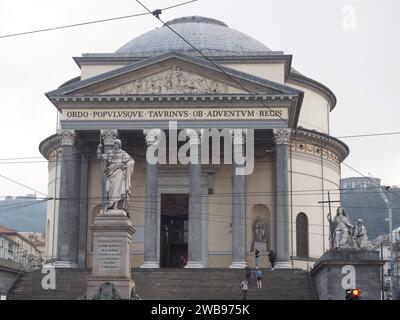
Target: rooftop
column 212, row 37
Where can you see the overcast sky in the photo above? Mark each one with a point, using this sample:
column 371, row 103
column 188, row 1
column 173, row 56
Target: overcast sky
column 357, row 59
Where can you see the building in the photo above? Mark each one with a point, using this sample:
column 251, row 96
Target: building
column 16, row 247
column 204, row 212
column 382, row 244
column 37, row 239
column 8, row 248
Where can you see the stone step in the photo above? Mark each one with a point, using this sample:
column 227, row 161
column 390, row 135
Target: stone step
column 176, row 284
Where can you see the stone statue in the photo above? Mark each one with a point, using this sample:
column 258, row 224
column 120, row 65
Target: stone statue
column 342, row 230
column 118, row 167
column 361, row 235
column 259, row 230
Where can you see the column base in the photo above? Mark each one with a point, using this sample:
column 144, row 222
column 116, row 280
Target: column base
column 194, row 265
column 283, row 265
column 238, row 265
column 150, row 265
column 64, row 264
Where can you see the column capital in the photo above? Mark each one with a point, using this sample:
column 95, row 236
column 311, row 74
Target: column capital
column 282, row 136
column 152, row 136
column 239, row 136
column 108, row 136
column 68, row 137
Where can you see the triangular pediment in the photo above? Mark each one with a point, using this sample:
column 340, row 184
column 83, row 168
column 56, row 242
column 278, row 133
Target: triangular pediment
column 173, row 74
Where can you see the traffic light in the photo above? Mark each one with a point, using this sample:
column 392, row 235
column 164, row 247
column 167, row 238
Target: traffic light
column 353, row 294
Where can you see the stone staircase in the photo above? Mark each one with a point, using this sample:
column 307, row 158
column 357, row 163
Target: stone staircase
column 174, row 284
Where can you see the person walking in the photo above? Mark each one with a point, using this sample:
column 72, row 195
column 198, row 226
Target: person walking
column 258, row 278
column 257, row 256
column 272, row 258
column 244, row 285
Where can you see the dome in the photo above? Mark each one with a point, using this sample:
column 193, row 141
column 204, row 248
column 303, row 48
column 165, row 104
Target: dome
column 210, row 36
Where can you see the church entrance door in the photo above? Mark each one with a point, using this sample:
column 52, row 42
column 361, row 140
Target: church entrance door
column 174, row 230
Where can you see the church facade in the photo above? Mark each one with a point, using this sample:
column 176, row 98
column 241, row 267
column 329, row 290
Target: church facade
column 201, row 214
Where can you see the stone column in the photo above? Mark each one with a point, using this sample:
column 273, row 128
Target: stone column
column 107, row 136
column 195, row 232
column 83, row 211
column 68, row 212
column 238, row 202
column 150, row 211
column 282, row 226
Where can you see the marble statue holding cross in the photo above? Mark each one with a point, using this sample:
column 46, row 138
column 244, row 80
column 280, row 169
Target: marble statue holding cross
column 118, row 167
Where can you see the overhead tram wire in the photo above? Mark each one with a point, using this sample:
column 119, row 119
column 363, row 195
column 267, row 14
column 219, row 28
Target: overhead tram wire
column 305, row 192
column 17, row 203
column 225, row 219
column 141, row 210
column 21, row 184
column 90, row 22
column 97, row 200
column 156, row 13
column 376, row 184
column 224, row 195
column 4, row 212
column 369, row 135
column 41, row 159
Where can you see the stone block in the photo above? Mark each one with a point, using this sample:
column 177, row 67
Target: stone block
column 112, row 247
column 337, row 270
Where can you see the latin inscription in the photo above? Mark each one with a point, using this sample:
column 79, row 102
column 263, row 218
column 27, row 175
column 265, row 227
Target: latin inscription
column 174, row 114
column 109, row 256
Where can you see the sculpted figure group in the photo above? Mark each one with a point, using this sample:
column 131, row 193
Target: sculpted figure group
column 174, row 81
column 344, row 234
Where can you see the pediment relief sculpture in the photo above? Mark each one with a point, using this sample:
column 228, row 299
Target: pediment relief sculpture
column 173, row 81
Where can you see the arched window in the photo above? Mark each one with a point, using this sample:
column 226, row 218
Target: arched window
column 302, row 235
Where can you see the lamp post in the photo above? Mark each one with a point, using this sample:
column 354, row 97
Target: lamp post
column 393, row 291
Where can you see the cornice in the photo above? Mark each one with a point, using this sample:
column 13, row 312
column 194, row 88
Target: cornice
column 315, row 85
column 48, row 145
column 172, row 97
column 322, row 141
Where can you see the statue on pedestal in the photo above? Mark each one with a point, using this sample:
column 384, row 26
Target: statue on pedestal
column 259, row 230
column 342, row 230
column 260, row 235
column 118, row 167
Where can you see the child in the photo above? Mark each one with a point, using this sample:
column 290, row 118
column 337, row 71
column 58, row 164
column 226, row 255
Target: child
column 244, row 285
column 258, row 278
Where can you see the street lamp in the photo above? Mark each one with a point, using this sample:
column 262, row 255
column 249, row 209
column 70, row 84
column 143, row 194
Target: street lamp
column 389, row 206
